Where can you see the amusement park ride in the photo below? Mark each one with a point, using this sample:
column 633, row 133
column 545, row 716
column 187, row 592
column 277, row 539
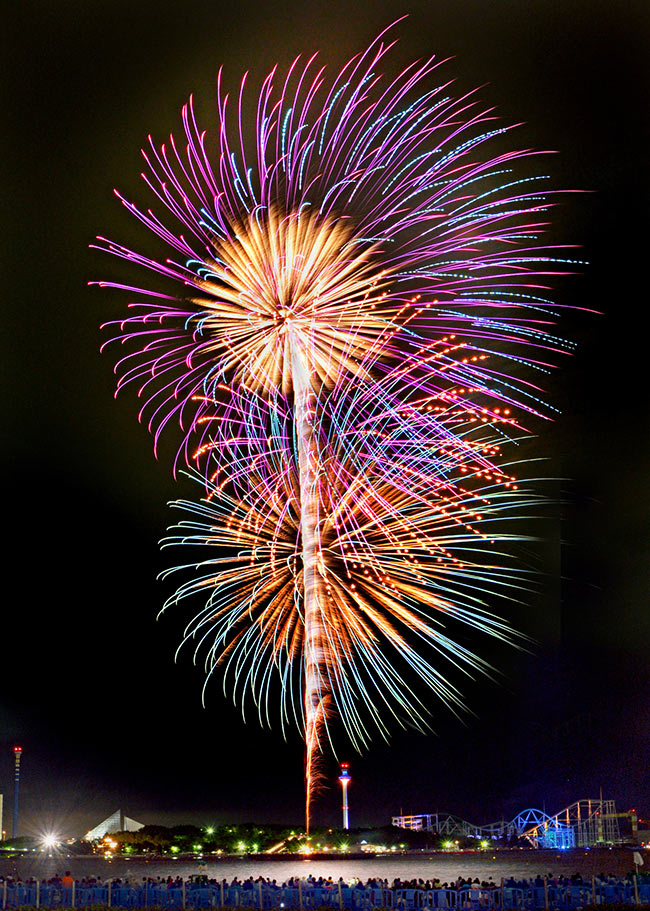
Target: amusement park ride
column 583, row 823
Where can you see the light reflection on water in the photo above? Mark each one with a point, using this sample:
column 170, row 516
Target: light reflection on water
column 447, row 867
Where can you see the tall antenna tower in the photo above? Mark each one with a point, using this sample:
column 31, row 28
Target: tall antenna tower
column 18, row 752
column 345, row 780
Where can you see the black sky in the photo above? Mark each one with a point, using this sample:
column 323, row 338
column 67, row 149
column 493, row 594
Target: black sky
column 89, row 686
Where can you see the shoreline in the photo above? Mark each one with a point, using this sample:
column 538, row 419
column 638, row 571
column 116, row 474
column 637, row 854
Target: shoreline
column 198, row 857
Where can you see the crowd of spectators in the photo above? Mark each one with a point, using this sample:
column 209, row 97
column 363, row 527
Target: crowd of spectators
column 66, row 881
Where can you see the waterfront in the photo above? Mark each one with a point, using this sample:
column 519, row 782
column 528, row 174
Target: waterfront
column 484, row 865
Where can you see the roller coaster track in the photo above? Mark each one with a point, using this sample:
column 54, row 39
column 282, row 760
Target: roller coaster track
column 586, row 822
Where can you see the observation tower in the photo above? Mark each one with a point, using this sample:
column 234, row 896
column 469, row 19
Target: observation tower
column 18, row 752
column 345, row 780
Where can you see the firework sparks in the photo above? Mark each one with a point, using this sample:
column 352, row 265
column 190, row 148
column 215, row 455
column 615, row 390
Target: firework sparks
column 395, row 561
column 336, row 342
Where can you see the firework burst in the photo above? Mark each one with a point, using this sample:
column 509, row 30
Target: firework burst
column 336, row 335
column 398, row 557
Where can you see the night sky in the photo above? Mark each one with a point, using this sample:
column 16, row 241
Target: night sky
column 89, row 685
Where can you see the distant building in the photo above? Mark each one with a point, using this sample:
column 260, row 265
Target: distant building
column 116, row 822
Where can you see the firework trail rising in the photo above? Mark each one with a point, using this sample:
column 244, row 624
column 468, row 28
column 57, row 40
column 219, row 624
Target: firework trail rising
column 354, row 288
